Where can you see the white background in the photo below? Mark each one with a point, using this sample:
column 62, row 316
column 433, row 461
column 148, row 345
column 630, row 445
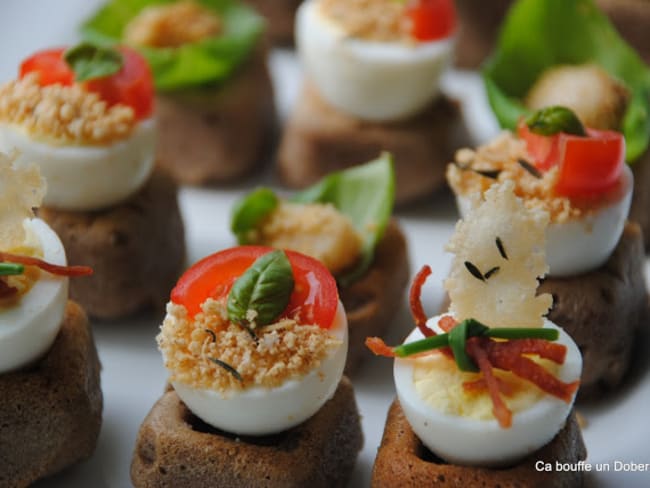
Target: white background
column 133, row 376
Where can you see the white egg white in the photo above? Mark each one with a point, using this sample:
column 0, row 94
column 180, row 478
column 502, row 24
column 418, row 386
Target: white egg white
column 475, row 442
column 85, row 177
column 377, row 81
column 28, row 328
column 264, row 411
column 585, row 244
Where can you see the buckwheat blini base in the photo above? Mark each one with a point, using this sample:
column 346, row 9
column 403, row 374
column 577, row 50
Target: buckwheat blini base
column 372, row 302
column 403, row 461
column 174, row 448
column 319, row 139
column 217, row 134
column 136, row 249
column 51, row 411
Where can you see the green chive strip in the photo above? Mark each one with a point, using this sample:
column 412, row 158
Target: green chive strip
column 10, row 269
column 458, row 336
column 531, row 333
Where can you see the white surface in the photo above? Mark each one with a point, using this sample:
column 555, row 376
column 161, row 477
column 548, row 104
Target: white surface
column 133, row 375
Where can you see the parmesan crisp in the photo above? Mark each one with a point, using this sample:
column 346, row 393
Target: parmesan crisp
column 499, row 256
column 21, row 189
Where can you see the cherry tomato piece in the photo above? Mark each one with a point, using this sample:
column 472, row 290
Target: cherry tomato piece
column 50, row 66
column 590, row 165
column 431, row 19
column 545, row 150
column 314, row 299
column 132, row 85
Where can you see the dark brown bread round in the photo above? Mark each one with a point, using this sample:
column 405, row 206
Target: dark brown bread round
column 215, row 135
column 372, row 302
column 640, row 211
column 603, row 311
column 319, row 139
column 403, row 461
column 280, row 17
column 51, row 412
column 174, row 448
column 136, row 249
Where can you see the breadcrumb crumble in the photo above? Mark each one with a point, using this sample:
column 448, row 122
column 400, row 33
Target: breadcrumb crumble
column 282, row 351
column 66, row 114
column 172, row 25
column 375, row 20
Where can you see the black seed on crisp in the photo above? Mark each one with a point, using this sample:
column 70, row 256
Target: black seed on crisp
column 228, row 368
column 492, row 272
column 530, row 168
column 214, row 336
column 493, row 174
column 502, row 250
column 251, row 332
column 474, row 271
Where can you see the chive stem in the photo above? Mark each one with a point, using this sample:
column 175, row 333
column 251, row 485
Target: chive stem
column 9, row 269
column 423, row 345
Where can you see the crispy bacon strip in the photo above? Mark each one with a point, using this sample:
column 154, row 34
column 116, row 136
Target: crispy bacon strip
column 544, row 349
column 480, row 385
column 530, row 371
column 379, row 347
column 415, row 301
column 45, row 266
column 7, row 291
column 480, row 356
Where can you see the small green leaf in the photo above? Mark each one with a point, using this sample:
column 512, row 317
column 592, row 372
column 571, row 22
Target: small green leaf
column 263, row 290
column 9, row 269
column 90, row 61
column 553, row 120
column 248, row 212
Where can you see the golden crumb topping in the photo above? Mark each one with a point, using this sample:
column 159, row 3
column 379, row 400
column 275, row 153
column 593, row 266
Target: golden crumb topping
column 499, row 254
column 21, row 190
column 376, row 20
column 199, row 350
column 64, row 114
column 172, row 25
column 504, row 159
column 316, row 229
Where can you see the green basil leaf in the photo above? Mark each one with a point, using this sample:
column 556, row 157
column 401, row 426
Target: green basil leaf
column 90, row 61
column 365, row 194
column 553, row 120
column 210, row 61
column 538, row 35
column 265, row 288
column 249, row 212
column 9, row 269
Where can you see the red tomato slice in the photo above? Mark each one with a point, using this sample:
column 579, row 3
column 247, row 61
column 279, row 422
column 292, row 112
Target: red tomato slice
column 590, row 165
column 132, row 85
column 51, row 67
column 432, row 19
column 545, row 150
column 587, row 165
column 314, row 299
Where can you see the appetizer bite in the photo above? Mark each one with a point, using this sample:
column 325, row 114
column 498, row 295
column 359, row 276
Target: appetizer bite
column 373, row 83
column 490, row 383
column 215, row 105
column 344, row 222
column 255, row 341
column 578, row 175
column 50, row 395
column 84, row 115
column 583, row 64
